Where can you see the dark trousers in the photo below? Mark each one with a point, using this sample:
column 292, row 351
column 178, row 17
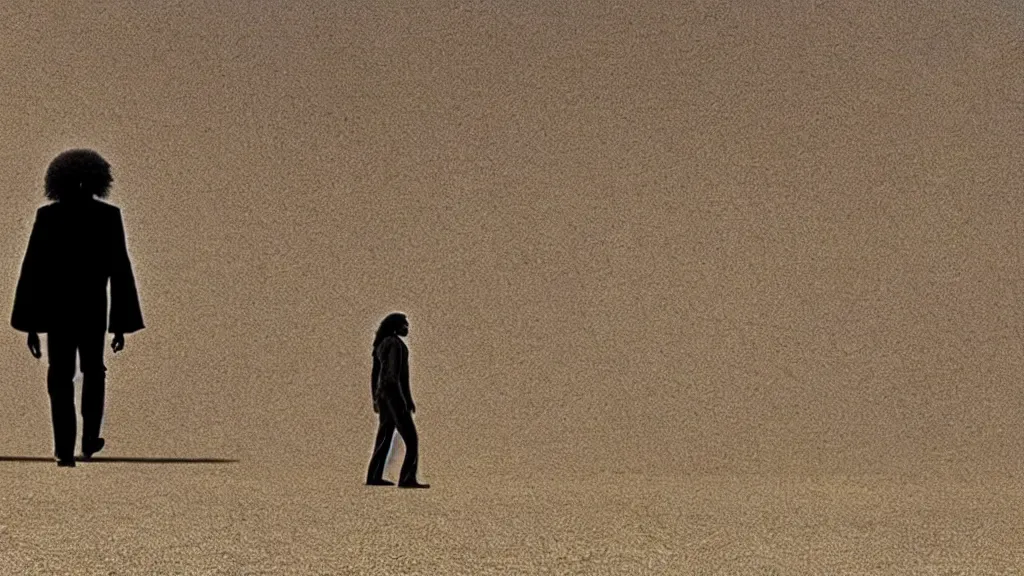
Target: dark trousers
column 394, row 416
column 61, row 348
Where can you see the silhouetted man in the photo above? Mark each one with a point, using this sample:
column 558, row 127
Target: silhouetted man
column 77, row 246
column 389, row 387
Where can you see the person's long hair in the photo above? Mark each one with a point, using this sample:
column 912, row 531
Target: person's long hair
column 78, row 175
column 388, row 326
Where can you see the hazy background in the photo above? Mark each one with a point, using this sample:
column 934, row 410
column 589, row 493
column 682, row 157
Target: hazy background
column 678, row 237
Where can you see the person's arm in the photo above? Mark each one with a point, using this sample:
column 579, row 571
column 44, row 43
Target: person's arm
column 391, row 369
column 373, row 382
column 404, row 379
column 27, row 294
column 117, row 344
column 33, row 345
column 125, row 311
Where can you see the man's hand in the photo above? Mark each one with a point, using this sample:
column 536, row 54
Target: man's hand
column 412, row 406
column 118, row 343
column 33, row 345
column 376, row 407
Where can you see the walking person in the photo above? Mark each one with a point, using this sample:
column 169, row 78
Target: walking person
column 77, row 247
column 392, row 401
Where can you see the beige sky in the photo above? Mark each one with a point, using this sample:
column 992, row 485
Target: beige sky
column 675, row 235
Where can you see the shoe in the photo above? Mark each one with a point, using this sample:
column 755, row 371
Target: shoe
column 379, row 482
column 66, row 463
column 90, row 448
column 412, row 484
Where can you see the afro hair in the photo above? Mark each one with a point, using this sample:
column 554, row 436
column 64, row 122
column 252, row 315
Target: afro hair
column 77, row 175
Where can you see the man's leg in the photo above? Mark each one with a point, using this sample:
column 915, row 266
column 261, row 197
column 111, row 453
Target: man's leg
column 60, row 384
column 381, row 447
column 407, row 429
column 94, row 375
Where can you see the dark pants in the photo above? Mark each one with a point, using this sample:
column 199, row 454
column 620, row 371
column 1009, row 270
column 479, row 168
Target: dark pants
column 61, row 348
column 394, row 415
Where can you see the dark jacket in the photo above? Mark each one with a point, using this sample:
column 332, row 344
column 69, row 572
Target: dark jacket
column 392, row 376
column 75, row 250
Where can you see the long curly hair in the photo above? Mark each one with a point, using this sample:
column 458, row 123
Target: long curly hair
column 388, row 326
column 78, row 175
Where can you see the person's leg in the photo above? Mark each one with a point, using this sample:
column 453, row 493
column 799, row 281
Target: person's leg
column 381, row 447
column 94, row 373
column 60, row 385
column 407, row 429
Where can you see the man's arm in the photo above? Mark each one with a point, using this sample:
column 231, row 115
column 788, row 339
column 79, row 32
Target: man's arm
column 117, row 344
column 27, row 305
column 33, row 345
column 125, row 311
column 391, row 370
column 373, row 382
column 404, row 378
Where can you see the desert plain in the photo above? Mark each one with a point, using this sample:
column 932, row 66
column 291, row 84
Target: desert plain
column 694, row 287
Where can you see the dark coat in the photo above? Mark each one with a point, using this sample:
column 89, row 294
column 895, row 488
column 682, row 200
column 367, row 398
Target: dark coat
column 391, row 368
column 75, row 249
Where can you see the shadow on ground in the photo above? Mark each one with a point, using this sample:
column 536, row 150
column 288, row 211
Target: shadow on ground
column 135, row 460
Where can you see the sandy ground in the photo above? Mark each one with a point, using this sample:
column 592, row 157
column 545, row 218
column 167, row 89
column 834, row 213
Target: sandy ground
column 695, row 287
column 268, row 518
